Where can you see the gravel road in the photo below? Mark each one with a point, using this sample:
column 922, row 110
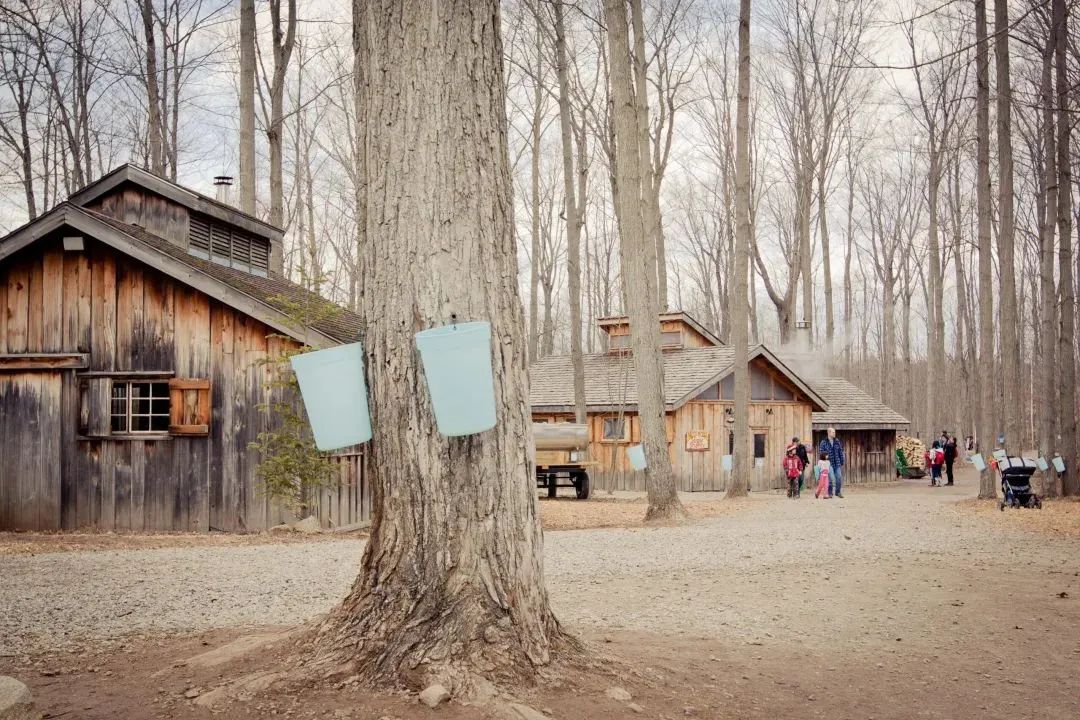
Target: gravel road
column 878, row 566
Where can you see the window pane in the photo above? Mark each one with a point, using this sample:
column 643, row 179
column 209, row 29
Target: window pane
column 619, row 341
column 782, row 393
column 710, row 393
column 140, row 390
column 727, row 387
column 119, row 390
column 671, row 338
column 140, row 423
column 759, row 445
column 614, row 429
column 118, row 424
column 159, row 407
column 140, row 407
column 159, row 423
column 160, row 390
column 760, row 385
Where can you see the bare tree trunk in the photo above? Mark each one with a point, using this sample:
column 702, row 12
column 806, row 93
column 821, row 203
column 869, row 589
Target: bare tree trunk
column 1010, row 348
column 457, row 590
column 987, row 486
column 739, row 483
column 573, row 217
column 283, row 44
column 650, row 186
column 1066, row 291
column 826, row 261
column 247, row 106
column 639, row 289
column 153, row 95
column 1048, row 401
column 534, row 180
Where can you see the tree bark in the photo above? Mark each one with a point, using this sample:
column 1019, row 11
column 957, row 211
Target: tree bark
column 153, row 94
column 987, row 484
column 247, row 106
column 1066, row 291
column 638, row 288
column 283, row 44
column 452, row 582
column 1048, row 400
column 1010, row 348
column 573, row 216
column 739, row 483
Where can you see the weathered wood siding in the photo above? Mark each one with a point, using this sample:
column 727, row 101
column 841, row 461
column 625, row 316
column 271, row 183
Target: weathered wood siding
column 698, row 470
column 155, row 214
column 869, row 454
column 349, row 500
column 128, row 318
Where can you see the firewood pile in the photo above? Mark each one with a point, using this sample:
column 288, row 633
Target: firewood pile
column 914, row 450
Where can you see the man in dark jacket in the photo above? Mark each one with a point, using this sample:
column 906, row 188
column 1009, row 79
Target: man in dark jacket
column 950, row 455
column 804, row 458
column 835, row 452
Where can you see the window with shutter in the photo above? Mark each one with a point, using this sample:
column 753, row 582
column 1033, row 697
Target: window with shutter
column 219, row 243
column 260, row 257
column 189, row 406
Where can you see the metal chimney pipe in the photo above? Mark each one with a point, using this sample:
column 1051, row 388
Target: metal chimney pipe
column 223, row 185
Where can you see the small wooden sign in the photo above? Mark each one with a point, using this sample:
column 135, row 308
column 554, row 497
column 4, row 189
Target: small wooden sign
column 697, row 441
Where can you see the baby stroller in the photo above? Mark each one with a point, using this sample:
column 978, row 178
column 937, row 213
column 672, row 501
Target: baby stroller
column 1016, row 483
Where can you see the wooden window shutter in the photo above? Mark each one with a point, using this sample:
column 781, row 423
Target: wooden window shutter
column 94, row 407
column 189, row 407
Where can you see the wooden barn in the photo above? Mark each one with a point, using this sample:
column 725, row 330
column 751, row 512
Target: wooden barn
column 134, row 319
column 698, row 392
column 866, row 427
column 698, row 389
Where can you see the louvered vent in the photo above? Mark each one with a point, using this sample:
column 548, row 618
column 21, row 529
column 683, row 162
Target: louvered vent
column 199, row 243
column 226, row 246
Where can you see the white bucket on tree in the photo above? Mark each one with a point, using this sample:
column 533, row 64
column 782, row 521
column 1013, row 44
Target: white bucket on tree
column 636, row 454
column 335, row 395
column 457, row 365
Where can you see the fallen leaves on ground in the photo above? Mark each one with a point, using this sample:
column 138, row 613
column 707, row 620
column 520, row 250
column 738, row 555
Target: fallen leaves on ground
column 1057, row 517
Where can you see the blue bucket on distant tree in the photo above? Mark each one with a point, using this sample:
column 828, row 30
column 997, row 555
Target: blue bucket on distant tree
column 457, row 365
column 636, row 454
column 335, row 395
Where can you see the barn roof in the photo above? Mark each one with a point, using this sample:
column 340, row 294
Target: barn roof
column 852, row 409
column 267, row 299
column 610, row 382
column 677, row 315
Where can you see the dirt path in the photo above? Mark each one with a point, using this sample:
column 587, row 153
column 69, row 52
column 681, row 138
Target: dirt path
column 891, row 603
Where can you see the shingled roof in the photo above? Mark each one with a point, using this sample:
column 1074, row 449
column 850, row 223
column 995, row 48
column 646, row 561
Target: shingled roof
column 268, row 299
column 274, row 290
column 610, row 382
column 852, row 409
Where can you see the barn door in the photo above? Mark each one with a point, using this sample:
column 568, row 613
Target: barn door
column 30, row 451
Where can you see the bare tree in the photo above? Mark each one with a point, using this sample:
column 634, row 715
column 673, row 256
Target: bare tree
column 247, row 106
column 639, row 273
column 987, row 488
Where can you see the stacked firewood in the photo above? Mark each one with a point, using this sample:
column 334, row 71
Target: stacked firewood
column 914, row 450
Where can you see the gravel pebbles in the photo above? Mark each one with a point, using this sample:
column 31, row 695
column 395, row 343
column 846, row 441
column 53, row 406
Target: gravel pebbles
column 869, row 565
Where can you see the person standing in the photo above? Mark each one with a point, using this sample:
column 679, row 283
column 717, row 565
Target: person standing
column 804, row 458
column 834, row 451
column 950, row 456
column 793, row 469
column 935, row 457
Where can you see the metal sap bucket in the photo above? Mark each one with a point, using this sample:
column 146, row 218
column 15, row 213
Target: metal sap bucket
column 335, row 395
column 457, row 365
column 636, row 454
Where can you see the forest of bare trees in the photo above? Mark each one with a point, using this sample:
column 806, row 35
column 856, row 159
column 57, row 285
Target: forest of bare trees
column 909, row 169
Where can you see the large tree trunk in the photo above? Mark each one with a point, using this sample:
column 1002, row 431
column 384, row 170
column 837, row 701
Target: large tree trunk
column 153, row 94
column 247, row 106
column 452, row 582
column 1066, row 291
column 1010, row 348
column 638, row 288
column 987, row 484
column 573, row 221
column 739, row 483
column 935, row 355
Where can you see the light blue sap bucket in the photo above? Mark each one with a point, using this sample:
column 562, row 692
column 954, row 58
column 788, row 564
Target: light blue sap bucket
column 457, row 364
column 335, row 395
column 636, row 453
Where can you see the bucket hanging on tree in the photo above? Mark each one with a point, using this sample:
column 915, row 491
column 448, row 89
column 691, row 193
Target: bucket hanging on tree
column 457, row 365
column 335, row 395
column 636, row 454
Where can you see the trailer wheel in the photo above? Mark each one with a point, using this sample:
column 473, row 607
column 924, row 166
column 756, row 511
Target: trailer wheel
column 581, row 485
column 553, row 485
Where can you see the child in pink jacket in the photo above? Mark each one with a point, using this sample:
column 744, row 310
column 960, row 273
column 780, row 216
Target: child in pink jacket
column 823, row 477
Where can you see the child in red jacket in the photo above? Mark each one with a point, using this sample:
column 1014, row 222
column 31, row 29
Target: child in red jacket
column 793, row 471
